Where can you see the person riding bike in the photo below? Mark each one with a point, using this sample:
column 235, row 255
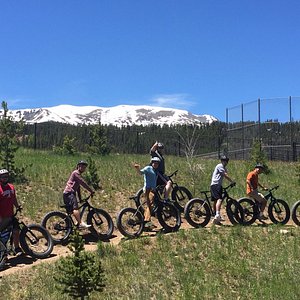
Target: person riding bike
column 157, row 150
column 251, row 190
column 150, row 178
column 72, row 188
column 8, row 200
column 219, row 173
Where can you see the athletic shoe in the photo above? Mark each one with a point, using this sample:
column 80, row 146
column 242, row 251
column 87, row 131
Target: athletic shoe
column 18, row 251
column 262, row 218
column 83, row 225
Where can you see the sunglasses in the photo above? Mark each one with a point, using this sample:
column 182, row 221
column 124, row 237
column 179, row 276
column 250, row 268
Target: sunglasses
column 4, row 177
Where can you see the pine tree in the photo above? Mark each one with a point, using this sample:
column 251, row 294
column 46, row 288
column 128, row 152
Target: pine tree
column 258, row 156
column 81, row 273
column 91, row 176
column 8, row 145
column 99, row 143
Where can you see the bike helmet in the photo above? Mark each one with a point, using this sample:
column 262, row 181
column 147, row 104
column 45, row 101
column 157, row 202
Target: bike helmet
column 259, row 166
column 3, row 172
column 160, row 145
column 82, row 162
column 224, row 158
column 155, row 159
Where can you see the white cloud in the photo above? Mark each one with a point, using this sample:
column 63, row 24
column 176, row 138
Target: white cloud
column 180, row 101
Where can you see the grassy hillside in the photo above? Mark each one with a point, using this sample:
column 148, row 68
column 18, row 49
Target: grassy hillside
column 218, row 263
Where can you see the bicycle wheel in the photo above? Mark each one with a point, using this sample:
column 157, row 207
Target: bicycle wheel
column 279, row 212
column 250, row 210
column 234, row 212
column 197, row 212
column 59, row 226
column 36, row 241
column 2, row 255
column 102, row 224
column 130, row 222
column 296, row 213
column 168, row 217
column 181, row 195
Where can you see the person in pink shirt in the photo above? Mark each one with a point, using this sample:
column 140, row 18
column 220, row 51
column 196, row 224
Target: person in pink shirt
column 8, row 201
column 73, row 188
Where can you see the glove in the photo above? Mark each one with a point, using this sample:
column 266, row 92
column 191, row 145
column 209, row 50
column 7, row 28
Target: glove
column 233, row 183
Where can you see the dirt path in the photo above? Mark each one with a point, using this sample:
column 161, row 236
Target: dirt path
column 22, row 263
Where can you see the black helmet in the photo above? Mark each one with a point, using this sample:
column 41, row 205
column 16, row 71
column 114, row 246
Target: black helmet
column 259, row 166
column 82, row 162
column 160, row 145
column 224, row 158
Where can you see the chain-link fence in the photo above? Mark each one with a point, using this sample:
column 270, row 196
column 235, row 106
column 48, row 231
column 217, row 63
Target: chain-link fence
column 273, row 122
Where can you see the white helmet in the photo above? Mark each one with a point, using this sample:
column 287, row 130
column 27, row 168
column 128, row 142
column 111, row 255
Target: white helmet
column 3, row 171
column 155, row 159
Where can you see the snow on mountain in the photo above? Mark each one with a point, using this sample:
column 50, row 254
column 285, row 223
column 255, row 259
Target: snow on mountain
column 121, row 115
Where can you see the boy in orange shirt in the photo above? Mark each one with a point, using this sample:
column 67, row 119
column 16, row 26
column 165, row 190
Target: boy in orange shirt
column 252, row 185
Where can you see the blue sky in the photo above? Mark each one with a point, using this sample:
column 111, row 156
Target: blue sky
column 203, row 56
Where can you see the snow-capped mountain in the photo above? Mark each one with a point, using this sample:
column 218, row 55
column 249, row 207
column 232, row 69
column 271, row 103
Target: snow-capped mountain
column 121, row 115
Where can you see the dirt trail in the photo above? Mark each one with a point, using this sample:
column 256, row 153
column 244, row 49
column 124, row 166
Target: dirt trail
column 23, row 262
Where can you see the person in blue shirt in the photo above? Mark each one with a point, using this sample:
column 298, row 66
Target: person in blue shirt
column 150, row 178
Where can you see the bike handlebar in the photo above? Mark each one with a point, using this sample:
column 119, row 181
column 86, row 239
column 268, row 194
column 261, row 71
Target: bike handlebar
column 273, row 188
column 173, row 174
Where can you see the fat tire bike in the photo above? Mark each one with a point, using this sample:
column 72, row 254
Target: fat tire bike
column 198, row 212
column 131, row 223
column 60, row 224
column 35, row 240
column 278, row 209
column 180, row 195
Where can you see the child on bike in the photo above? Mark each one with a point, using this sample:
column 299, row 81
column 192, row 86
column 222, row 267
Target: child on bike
column 150, row 178
column 251, row 190
column 219, row 173
column 72, row 188
column 157, row 150
column 8, row 200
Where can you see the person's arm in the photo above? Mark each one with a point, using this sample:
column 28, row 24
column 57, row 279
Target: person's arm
column 81, row 182
column 154, row 147
column 15, row 200
column 137, row 168
column 228, row 178
column 261, row 186
column 248, row 181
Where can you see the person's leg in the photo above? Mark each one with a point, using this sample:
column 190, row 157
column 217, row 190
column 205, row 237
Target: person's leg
column 260, row 199
column 147, row 212
column 167, row 190
column 76, row 214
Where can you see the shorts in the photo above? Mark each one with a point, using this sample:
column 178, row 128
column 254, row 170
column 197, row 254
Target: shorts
column 70, row 201
column 257, row 196
column 8, row 221
column 216, row 192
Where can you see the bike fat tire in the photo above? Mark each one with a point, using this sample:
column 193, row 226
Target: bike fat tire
column 250, row 210
column 279, row 212
column 197, row 213
column 181, row 195
column 2, row 255
column 168, row 217
column 235, row 212
column 296, row 213
column 130, row 222
column 59, row 226
column 102, row 223
column 36, row 241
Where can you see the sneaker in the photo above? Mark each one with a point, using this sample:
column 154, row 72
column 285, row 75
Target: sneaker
column 217, row 220
column 83, row 225
column 262, row 218
column 18, row 251
column 221, row 219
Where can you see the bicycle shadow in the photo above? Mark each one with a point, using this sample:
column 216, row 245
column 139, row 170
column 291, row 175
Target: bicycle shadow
column 92, row 239
column 23, row 259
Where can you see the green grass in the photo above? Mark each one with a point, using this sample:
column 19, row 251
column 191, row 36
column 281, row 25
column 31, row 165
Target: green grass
column 219, row 263
column 227, row 263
